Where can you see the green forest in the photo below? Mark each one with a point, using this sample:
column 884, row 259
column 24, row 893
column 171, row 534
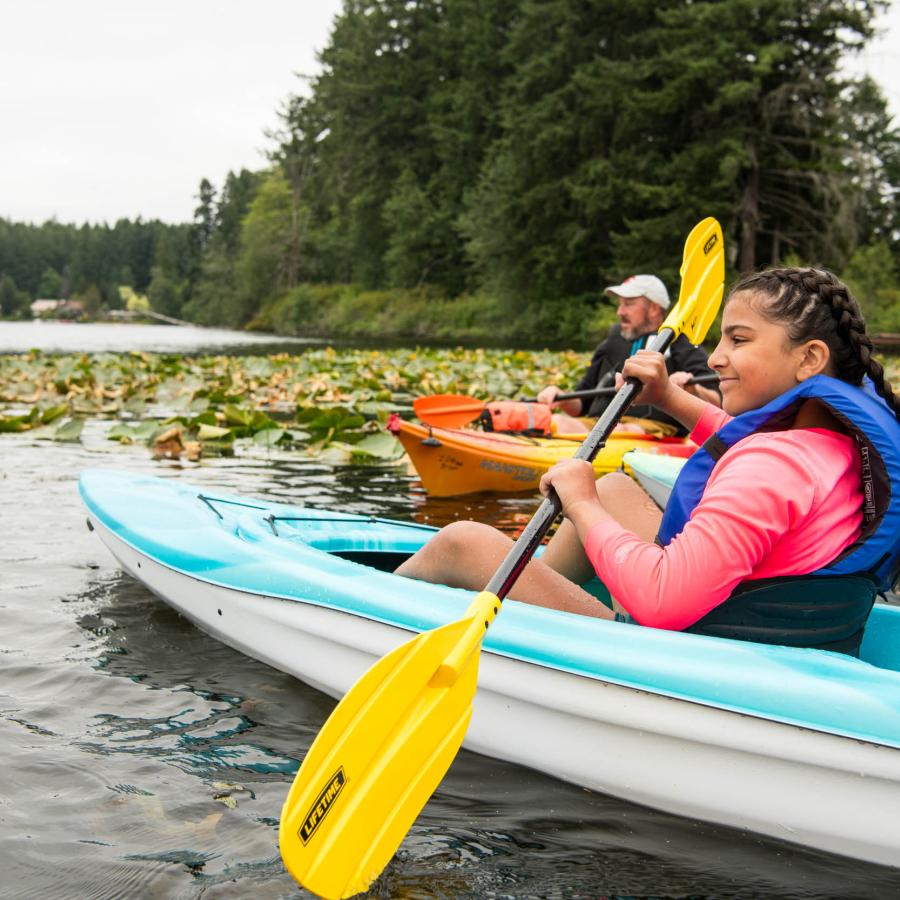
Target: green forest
column 482, row 168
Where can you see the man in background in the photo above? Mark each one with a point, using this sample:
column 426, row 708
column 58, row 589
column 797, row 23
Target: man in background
column 642, row 304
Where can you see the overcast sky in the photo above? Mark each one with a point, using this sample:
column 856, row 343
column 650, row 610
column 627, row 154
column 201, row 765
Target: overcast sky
column 117, row 108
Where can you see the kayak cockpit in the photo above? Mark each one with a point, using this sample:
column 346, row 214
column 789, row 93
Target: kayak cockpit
column 382, row 560
column 384, row 544
column 381, row 544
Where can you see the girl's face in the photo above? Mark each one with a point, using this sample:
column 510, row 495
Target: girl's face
column 754, row 359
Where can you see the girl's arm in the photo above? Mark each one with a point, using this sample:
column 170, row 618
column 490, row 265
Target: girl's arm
column 730, row 533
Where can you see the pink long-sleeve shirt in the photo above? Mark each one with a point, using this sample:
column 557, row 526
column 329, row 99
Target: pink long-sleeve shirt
column 777, row 503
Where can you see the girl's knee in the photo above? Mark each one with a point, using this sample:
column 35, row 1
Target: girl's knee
column 464, row 535
column 613, row 485
column 627, row 502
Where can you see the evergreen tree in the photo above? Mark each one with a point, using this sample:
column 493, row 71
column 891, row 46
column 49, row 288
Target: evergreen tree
column 547, row 197
column 202, row 228
column 237, row 194
column 742, row 98
column 205, row 215
column 13, row 302
column 92, row 299
column 370, row 111
column 533, row 148
column 50, row 285
column 163, row 294
column 872, row 159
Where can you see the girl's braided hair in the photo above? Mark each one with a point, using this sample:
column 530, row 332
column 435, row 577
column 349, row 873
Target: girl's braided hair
column 813, row 304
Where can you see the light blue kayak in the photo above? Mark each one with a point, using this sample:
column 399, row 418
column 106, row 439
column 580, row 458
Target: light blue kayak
column 770, row 739
column 654, row 473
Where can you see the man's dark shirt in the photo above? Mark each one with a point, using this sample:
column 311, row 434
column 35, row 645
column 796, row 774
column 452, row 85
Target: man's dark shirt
column 610, row 356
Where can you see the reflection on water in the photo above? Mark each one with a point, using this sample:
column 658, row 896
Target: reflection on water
column 239, row 729
column 145, row 759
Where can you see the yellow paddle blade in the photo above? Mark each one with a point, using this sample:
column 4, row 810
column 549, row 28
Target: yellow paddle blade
column 380, row 756
column 702, row 282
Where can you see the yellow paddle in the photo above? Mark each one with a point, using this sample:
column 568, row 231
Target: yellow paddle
column 388, row 743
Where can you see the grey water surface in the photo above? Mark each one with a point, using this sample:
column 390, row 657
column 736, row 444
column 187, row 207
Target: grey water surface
column 53, row 336
column 142, row 758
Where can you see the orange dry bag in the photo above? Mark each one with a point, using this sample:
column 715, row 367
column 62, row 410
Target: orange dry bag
column 517, row 416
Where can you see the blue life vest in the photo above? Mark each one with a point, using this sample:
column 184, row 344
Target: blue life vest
column 870, row 564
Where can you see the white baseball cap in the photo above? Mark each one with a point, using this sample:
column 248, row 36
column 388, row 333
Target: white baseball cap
column 648, row 286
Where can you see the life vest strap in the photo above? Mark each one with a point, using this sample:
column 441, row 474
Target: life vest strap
column 715, row 446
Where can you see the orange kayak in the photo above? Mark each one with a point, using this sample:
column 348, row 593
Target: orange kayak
column 454, row 461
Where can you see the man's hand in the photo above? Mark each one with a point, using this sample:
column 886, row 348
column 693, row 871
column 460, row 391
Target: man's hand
column 683, row 380
column 549, row 394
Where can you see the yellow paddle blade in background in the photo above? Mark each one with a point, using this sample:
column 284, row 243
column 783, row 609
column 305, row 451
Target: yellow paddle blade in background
column 702, row 282
column 380, row 756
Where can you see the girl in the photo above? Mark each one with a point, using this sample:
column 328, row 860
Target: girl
column 781, row 528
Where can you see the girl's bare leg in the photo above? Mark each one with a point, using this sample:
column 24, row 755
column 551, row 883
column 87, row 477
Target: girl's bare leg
column 466, row 555
column 627, row 503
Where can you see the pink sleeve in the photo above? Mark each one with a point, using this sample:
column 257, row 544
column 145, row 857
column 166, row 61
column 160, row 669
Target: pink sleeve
column 730, row 532
column 711, row 420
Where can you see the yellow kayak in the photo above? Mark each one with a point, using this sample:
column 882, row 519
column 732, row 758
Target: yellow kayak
column 454, row 461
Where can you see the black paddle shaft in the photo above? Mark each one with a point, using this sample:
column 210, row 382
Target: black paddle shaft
column 604, row 391
column 529, row 540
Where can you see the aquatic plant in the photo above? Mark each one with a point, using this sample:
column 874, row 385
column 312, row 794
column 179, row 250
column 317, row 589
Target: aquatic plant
column 322, row 400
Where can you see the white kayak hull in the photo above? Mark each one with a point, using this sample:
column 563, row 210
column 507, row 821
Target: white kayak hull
column 821, row 790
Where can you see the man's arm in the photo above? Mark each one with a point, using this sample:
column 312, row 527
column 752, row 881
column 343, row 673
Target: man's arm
column 587, row 382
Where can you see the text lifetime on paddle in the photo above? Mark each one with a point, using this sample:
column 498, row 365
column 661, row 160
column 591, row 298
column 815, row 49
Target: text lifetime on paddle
column 321, row 806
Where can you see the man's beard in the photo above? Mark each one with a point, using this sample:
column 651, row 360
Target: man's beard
column 632, row 332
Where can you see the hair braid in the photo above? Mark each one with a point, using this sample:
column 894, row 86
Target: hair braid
column 815, row 304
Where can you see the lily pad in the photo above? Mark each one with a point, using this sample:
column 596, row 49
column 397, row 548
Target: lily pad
column 52, row 413
column 268, row 437
column 213, row 433
column 234, row 415
column 69, row 432
column 381, row 446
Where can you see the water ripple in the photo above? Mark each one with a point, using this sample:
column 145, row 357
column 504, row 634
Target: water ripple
column 143, row 758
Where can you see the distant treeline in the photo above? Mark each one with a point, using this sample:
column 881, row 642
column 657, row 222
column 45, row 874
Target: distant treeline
column 469, row 167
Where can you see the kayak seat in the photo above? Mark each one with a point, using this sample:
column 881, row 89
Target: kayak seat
column 827, row 613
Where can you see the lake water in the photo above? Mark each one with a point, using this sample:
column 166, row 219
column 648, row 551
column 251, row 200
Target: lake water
column 145, row 759
column 110, row 337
